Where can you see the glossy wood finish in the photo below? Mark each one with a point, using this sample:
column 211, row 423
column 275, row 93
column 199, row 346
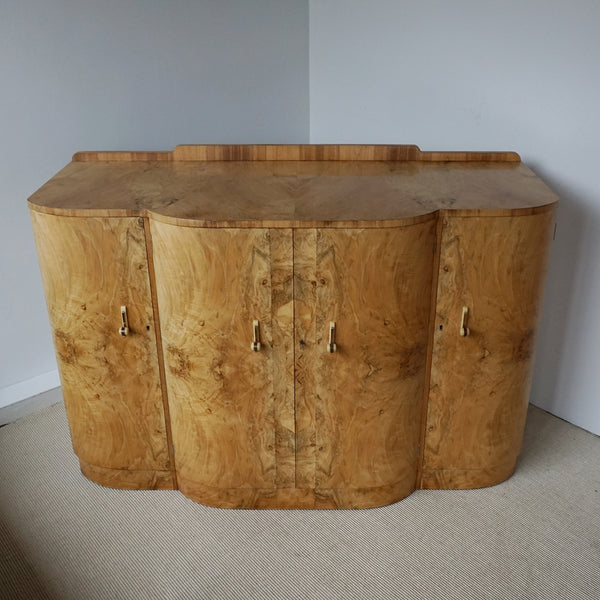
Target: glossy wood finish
column 373, row 189
column 111, row 384
column 329, row 152
column 479, row 386
column 305, row 152
column 305, row 355
column 388, row 242
column 358, row 410
column 129, row 479
column 351, row 435
column 231, row 408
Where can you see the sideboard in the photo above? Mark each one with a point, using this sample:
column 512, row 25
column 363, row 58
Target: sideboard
column 302, row 326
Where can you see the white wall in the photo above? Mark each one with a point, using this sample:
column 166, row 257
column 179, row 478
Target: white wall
column 470, row 75
column 126, row 74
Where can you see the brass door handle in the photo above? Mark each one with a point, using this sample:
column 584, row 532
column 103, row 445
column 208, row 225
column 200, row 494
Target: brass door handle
column 464, row 330
column 255, row 346
column 124, row 329
column 331, row 346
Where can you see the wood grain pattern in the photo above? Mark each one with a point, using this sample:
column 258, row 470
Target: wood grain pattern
column 282, row 339
column 159, row 351
column 128, row 479
column 305, row 339
column 287, row 498
column 358, row 411
column 430, row 338
column 119, row 156
column 328, row 152
column 480, row 384
column 386, row 241
column 229, row 405
column 111, row 385
column 284, row 193
column 307, row 152
column 375, row 286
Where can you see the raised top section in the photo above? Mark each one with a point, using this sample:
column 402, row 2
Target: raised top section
column 293, row 186
column 252, row 152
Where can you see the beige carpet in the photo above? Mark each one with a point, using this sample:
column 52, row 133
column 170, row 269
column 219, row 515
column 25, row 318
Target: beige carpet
column 534, row 536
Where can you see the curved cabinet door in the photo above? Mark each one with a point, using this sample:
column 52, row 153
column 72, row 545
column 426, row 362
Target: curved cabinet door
column 111, row 384
column 495, row 267
column 358, row 409
column 231, row 407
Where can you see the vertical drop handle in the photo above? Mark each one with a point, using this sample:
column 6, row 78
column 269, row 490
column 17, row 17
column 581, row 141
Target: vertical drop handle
column 255, row 346
column 124, row 329
column 331, row 346
column 464, row 330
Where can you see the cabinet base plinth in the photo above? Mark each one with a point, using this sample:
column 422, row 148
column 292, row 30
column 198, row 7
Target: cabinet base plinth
column 127, row 479
column 465, row 479
column 290, row 498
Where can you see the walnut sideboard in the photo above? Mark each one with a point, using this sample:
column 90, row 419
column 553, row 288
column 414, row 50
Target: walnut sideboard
column 312, row 326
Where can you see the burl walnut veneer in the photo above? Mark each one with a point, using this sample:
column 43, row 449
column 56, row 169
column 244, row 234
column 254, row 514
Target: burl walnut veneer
column 295, row 326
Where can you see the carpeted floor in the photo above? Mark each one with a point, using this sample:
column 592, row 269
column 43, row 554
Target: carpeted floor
column 535, row 536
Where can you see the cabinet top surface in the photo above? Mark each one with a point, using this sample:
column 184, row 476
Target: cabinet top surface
column 293, row 186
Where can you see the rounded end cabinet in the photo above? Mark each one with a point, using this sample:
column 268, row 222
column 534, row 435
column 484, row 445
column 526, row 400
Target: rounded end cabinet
column 295, row 326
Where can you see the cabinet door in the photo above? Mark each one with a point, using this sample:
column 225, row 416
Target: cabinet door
column 110, row 383
column 495, row 267
column 358, row 410
column 231, row 407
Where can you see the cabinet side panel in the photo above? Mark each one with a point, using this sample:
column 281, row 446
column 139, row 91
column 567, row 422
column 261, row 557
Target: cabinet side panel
column 495, row 267
column 111, row 385
column 375, row 286
column 211, row 285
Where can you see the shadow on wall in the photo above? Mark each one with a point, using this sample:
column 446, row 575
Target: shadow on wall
column 567, row 289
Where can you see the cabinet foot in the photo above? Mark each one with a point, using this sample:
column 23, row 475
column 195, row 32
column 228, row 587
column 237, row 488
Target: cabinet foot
column 291, row 498
column 127, row 479
column 465, row 479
